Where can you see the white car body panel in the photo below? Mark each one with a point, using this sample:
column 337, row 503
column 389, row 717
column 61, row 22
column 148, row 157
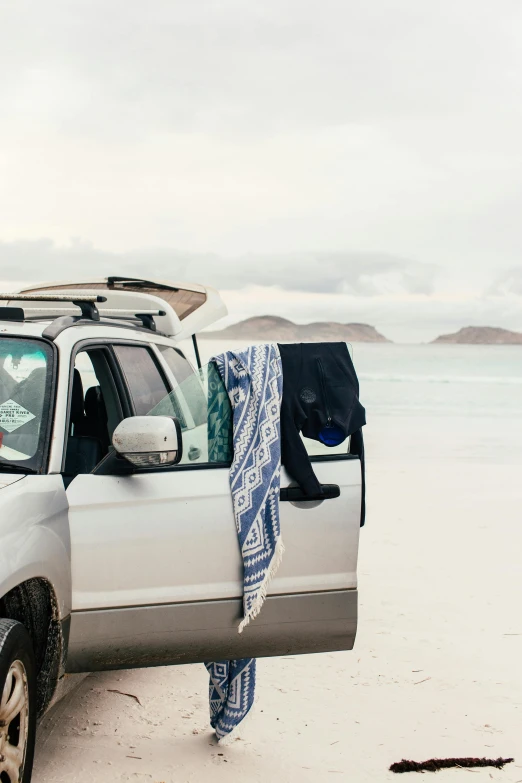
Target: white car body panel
column 6, row 479
column 34, row 531
column 169, row 537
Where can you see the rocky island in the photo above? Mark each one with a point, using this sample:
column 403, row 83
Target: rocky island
column 271, row 327
column 481, row 335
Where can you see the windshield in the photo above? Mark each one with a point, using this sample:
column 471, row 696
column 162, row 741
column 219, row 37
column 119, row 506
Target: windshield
column 25, row 373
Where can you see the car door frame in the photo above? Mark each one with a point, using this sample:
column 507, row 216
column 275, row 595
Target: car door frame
column 106, row 344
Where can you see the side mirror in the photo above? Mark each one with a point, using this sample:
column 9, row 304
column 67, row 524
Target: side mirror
column 149, row 441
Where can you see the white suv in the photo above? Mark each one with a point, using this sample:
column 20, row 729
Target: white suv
column 118, row 544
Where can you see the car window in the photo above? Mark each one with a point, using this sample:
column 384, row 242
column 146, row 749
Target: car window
column 146, row 384
column 180, row 366
column 192, row 394
column 94, row 412
column 204, row 395
column 83, row 364
column 101, row 403
column 25, row 398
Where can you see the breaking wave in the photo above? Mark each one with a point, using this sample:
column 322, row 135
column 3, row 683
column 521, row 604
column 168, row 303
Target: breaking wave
column 506, row 380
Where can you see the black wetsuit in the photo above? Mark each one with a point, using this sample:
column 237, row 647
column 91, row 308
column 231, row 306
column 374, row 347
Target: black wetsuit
column 321, row 400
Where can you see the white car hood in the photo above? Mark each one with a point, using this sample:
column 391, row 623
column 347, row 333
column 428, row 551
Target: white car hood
column 9, row 478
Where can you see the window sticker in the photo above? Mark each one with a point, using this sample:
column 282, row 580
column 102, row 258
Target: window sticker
column 13, row 415
column 11, row 455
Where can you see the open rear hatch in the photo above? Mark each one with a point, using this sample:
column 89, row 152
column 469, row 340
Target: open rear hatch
column 188, row 307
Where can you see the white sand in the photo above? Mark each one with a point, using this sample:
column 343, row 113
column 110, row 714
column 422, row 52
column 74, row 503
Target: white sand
column 436, row 670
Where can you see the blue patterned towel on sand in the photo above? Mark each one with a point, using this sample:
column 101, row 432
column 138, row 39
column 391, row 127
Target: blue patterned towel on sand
column 254, row 382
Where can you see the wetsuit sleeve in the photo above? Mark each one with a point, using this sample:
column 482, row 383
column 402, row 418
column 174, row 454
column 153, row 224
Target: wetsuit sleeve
column 293, row 451
column 294, row 455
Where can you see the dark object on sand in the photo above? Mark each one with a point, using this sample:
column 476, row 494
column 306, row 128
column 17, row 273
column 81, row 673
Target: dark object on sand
column 433, row 765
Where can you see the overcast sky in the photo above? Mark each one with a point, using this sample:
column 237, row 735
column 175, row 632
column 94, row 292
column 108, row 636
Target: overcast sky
column 334, row 159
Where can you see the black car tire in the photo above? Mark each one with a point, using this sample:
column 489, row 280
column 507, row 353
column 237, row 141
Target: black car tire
column 17, row 703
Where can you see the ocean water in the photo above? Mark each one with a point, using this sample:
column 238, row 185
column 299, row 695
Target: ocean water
column 434, row 402
column 441, row 380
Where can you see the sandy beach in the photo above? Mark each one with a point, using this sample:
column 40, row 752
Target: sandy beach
column 435, row 670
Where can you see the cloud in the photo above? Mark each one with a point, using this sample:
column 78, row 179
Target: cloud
column 367, row 274
column 237, row 127
column 508, row 282
column 406, row 300
column 106, row 66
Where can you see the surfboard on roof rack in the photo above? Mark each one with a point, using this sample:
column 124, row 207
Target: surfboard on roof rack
column 188, row 307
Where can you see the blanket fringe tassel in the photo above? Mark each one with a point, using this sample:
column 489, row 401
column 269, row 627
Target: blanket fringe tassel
column 231, row 737
column 263, row 590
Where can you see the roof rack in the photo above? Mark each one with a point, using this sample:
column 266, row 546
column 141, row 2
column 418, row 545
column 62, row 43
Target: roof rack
column 188, row 307
column 13, row 295
column 62, row 322
column 87, row 304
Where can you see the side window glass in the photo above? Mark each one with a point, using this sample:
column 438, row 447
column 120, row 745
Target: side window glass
column 192, row 394
column 180, row 366
column 203, row 394
column 146, row 384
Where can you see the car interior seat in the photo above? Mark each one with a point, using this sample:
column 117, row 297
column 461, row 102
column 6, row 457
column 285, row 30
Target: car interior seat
column 95, row 421
column 84, row 451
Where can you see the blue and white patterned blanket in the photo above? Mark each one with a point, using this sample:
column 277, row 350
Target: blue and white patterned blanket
column 254, row 382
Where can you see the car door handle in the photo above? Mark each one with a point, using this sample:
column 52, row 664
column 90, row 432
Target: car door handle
column 296, row 493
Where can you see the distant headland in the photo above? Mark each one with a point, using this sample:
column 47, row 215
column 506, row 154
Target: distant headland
column 271, row 327
column 481, row 335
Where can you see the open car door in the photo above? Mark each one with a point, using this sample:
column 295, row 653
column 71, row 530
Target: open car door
column 157, row 571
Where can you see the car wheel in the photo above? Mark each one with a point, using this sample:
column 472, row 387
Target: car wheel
column 17, row 703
